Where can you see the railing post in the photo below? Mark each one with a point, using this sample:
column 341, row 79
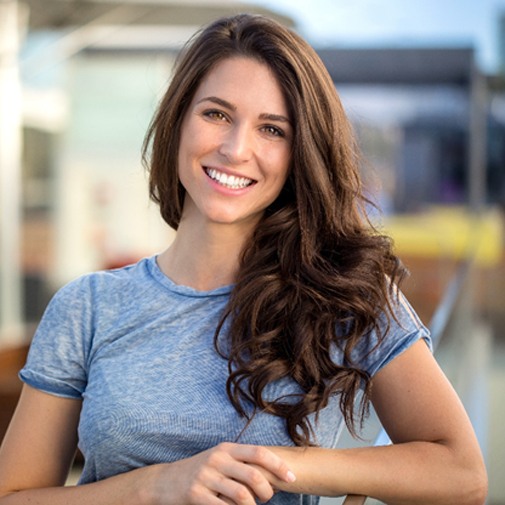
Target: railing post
column 477, row 141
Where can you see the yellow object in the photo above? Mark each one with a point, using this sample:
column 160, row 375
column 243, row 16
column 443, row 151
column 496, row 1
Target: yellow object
column 449, row 232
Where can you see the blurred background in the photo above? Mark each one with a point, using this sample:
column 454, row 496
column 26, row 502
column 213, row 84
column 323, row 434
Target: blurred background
column 423, row 83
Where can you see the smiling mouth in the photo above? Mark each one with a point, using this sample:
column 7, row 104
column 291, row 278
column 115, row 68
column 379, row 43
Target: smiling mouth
column 228, row 181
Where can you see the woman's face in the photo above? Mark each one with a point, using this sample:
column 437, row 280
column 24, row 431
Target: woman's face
column 235, row 148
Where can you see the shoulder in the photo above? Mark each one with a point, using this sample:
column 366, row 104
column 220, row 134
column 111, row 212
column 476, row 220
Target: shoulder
column 397, row 330
column 107, row 285
column 80, row 319
column 96, row 296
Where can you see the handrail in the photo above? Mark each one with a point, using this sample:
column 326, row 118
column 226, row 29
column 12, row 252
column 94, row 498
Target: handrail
column 445, row 308
column 438, row 324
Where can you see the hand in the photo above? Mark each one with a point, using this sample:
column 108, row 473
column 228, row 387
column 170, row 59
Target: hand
column 229, row 473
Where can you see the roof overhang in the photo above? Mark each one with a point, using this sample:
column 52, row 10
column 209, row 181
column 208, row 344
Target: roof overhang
column 57, row 14
column 453, row 66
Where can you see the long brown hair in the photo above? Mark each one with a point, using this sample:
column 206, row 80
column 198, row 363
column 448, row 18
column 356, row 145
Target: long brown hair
column 315, row 274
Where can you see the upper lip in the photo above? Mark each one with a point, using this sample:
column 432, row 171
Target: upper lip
column 227, row 171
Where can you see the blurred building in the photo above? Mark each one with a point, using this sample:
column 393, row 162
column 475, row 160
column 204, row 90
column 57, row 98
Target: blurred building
column 415, row 112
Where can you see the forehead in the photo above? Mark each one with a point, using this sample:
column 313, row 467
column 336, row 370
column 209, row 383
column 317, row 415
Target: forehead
column 244, row 81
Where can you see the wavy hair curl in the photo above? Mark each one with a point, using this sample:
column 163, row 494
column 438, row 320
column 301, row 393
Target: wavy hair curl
column 315, row 274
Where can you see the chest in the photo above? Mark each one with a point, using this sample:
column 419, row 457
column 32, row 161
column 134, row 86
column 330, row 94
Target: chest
column 158, row 394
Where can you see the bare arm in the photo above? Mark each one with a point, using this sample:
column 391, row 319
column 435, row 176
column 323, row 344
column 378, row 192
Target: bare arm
column 435, row 458
column 41, row 442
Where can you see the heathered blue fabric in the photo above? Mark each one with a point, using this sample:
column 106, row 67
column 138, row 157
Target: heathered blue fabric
column 138, row 350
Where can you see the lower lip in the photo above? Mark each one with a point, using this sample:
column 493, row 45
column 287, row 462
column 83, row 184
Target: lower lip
column 226, row 189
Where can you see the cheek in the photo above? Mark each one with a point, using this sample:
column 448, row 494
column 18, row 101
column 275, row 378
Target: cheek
column 197, row 141
column 278, row 160
column 183, row 168
column 185, row 151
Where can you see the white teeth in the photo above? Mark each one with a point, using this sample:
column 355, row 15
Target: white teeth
column 229, row 181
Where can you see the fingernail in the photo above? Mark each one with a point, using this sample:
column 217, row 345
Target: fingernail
column 290, row 477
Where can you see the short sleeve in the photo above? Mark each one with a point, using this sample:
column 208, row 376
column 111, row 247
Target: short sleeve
column 57, row 359
column 399, row 332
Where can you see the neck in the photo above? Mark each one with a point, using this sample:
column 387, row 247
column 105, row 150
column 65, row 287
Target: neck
column 204, row 258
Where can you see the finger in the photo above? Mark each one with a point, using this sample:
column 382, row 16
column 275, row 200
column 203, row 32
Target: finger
column 264, row 458
column 228, row 501
column 252, row 477
column 236, row 493
column 224, row 499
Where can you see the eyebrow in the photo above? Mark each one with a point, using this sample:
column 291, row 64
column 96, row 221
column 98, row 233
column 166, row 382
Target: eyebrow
column 230, row 106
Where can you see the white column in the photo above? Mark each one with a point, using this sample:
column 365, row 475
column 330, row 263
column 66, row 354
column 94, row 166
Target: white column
column 10, row 175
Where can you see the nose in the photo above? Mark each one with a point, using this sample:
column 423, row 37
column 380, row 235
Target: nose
column 237, row 145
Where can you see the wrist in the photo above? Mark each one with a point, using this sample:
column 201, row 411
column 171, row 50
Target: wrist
column 292, row 456
column 145, row 490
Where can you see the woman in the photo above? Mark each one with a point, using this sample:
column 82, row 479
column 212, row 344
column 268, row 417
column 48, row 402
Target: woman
column 221, row 370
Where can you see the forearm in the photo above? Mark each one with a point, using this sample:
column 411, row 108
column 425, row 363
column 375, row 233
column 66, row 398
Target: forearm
column 131, row 488
column 409, row 473
column 435, row 460
column 226, row 473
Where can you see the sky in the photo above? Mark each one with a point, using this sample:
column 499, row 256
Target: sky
column 348, row 23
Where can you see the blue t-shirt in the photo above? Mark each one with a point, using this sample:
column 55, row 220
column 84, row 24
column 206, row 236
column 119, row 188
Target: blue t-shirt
column 139, row 351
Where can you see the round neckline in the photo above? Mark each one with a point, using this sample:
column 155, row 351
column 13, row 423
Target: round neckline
column 181, row 289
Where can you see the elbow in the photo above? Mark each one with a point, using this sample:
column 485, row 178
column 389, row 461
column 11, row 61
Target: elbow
column 474, row 489
column 479, row 489
column 469, row 477
column 465, row 485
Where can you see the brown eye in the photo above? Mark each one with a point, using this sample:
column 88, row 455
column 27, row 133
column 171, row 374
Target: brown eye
column 216, row 115
column 274, row 131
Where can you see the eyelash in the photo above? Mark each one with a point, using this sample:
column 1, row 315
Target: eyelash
column 221, row 116
column 274, row 130
column 213, row 113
